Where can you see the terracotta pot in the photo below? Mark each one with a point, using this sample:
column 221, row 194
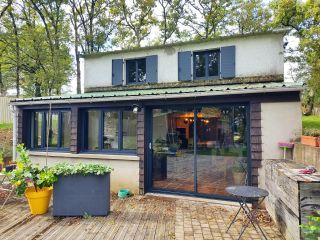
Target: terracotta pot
column 309, row 140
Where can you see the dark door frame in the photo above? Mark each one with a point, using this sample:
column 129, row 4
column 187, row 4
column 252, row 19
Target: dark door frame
column 148, row 156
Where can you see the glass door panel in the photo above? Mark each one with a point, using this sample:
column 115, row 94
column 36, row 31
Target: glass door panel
column 173, row 149
column 221, row 142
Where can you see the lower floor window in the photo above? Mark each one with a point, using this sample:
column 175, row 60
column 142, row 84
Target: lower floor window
column 50, row 129
column 108, row 130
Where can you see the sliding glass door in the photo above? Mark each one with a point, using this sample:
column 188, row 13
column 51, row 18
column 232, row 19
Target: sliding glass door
column 221, row 148
column 199, row 150
column 173, row 149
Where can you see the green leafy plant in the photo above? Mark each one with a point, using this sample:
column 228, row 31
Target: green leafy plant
column 66, row 169
column 312, row 229
column 313, row 132
column 28, row 174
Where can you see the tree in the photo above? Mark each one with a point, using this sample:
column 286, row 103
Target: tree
column 171, row 13
column 92, row 28
column 52, row 16
column 207, row 18
column 134, row 21
column 304, row 20
column 250, row 16
column 4, row 6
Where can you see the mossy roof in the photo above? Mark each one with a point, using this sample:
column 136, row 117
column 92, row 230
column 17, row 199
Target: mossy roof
column 177, row 92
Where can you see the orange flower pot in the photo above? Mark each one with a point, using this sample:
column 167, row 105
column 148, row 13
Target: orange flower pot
column 309, row 140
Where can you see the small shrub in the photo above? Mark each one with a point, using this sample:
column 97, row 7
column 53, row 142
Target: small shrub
column 66, row 169
column 313, row 132
column 312, row 229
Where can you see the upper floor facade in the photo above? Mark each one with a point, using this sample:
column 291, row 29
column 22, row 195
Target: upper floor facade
column 230, row 57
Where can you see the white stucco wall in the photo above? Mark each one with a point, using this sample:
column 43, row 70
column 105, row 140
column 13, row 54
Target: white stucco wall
column 126, row 168
column 255, row 56
column 281, row 121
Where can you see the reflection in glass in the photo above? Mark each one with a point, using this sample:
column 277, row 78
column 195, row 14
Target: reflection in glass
column 213, row 63
column 110, row 131
column 129, row 130
column 173, row 155
column 93, row 130
column 221, row 153
column 142, row 74
column 136, row 70
column 37, row 129
column 221, row 148
column 200, row 65
column 66, row 129
column 53, row 128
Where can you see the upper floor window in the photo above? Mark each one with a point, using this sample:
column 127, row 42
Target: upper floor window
column 52, row 129
column 109, row 130
column 136, row 70
column 206, row 64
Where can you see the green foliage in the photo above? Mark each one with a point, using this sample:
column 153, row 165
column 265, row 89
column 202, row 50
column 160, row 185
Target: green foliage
column 6, row 126
column 313, row 132
column 311, row 122
column 312, row 229
column 28, row 174
column 66, row 169
column 303, row 17
column 250, row 16
column 134, row 21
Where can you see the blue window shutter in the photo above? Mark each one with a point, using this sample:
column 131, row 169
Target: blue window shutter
column 184, row 66
column 228, row 62
column 152, row 68
column 117, row 71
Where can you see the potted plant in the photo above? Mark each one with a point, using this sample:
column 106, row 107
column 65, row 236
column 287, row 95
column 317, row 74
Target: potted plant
column 239, row 173
column 311, row 137
column 81, row 189
column 33, row 181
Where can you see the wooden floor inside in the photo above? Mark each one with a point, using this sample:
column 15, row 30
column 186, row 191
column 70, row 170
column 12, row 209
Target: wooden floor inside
column 138, row 217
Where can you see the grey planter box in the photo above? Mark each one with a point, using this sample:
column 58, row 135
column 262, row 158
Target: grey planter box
column 78, row 195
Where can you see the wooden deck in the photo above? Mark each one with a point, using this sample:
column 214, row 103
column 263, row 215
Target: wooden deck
column 139, row 217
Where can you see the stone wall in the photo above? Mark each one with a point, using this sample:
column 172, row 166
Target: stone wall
column 307, row 155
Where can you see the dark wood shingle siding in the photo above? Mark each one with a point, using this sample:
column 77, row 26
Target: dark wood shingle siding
column 75, row 128
column 140, row 148
column 256, row 141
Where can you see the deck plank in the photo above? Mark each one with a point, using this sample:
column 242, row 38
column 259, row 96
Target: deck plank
column 135, row 218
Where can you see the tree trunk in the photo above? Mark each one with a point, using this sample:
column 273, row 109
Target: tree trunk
column 17, row 50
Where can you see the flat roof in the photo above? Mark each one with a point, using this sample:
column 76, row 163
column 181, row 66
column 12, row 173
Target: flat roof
column 162, row 93
column 162, row 46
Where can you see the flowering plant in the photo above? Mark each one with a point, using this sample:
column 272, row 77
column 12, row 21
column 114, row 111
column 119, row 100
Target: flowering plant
column 28, row 174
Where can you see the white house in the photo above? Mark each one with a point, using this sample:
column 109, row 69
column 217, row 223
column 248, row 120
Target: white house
column 188, row 118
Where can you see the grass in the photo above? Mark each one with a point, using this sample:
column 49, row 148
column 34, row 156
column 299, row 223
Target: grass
column 5, row 126
column 311, row 122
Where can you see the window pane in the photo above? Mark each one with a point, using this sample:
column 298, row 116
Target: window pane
column 129, row 131
column 131, row 71
column 93, row 130
column 37, row 129
column 200, row 64
column 142, row 76
column 110, row 136
column 213, row 63
column 53, row 129
column 66, row 129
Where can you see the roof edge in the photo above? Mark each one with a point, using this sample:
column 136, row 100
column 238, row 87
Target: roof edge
column 192, row 83
column 282, row 31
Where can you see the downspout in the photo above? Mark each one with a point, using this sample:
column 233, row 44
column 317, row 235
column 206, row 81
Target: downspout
column 14, row 110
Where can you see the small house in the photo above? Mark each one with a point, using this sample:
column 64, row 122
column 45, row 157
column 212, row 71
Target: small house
column 186, row 118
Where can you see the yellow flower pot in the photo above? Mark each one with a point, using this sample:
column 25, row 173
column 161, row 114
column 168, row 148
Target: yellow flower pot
column 38, row 200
